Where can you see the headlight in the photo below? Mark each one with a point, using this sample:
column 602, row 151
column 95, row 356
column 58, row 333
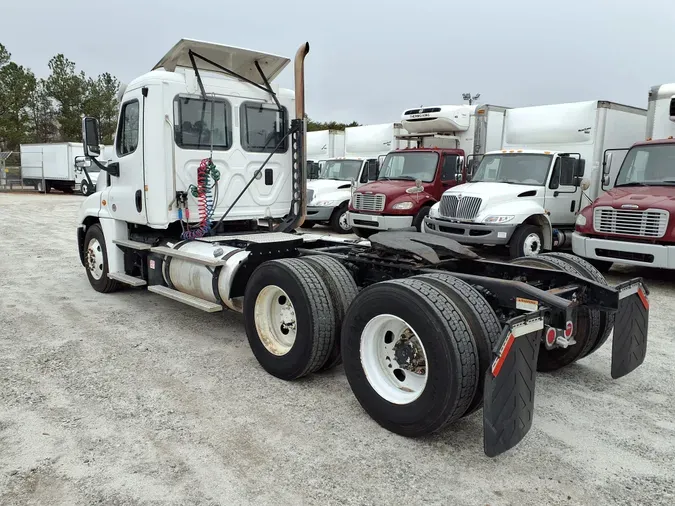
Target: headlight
column 497, row 219
column 433, row 212
column 325, row 203
column 581, row 220
column 403, row 205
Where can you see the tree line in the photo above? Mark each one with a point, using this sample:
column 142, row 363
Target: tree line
column 50, row 109
column 40, row 110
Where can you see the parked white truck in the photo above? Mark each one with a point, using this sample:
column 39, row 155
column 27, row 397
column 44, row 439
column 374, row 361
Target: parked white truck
column 328, row 195
column 202, row 208
column 528, row 194
column 53, row 166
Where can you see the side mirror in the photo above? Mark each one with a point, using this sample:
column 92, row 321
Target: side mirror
column 585, row 184
column 82, row 161
column 605, row 180
column 458, row 177
column 90, row 137
column 607, row 165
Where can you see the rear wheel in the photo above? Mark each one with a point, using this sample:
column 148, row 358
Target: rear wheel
column 586, row 328
column 363, row 233
column 289, row 318
column 96, row 261
column 338, row 220
column 409, row 356
column 342, row 290
column 527, row 240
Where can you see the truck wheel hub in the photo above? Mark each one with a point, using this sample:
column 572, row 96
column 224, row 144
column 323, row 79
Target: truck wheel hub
column 532, row 245
column 94, row 259
column 275, row 320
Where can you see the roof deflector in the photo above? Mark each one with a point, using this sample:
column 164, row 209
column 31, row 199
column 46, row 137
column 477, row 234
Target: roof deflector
column 215, row 57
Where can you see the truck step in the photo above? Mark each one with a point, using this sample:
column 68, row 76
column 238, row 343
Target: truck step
column 126, row 279
column 190, row 300
column 184, row 255
column 132, row 244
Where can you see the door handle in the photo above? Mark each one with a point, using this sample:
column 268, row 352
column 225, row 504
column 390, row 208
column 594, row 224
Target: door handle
column 139, row 201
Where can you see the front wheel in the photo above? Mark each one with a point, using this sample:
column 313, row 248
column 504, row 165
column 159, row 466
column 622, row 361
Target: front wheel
column 339, row 222
column 528, row 240
column 96, row 261
column 418, row 221
column 84, row 188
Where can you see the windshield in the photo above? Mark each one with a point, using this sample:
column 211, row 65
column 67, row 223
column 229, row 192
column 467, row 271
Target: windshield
column 517, row 168
column 409, row 166
column 342, row 170
column 648, row 165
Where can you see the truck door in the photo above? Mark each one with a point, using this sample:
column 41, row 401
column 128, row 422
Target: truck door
column 449, row 171
column 562, row 197
column 126, row 193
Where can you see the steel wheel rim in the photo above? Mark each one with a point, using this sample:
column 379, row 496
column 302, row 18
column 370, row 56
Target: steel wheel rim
column 275, row 320
column 95, row 259
column 84, row 187
column 393, row 359
column 343, row 222
column 532, row 245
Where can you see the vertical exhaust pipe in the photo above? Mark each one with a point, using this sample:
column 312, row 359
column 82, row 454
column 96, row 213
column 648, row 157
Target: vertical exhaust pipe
column 300, row 115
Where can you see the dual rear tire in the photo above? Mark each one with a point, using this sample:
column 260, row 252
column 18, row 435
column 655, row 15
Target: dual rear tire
column 415, row 350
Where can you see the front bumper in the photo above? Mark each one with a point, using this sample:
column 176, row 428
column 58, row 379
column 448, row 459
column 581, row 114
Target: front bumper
column 319, row 213
column 624, row 252
column 378, row 222
column 470, row 233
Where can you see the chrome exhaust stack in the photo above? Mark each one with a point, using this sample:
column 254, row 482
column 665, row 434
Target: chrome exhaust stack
column 302, row 135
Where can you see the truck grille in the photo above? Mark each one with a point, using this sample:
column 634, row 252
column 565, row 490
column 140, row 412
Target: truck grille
column 649, row 223
column 310, row 196
column 465, row 208
column 367, row 202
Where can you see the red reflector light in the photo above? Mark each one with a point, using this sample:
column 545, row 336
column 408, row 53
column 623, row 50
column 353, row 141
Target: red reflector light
column 550, row 336
column 569, row 328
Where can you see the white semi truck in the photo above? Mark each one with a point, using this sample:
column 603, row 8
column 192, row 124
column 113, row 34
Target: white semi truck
column 527, row 195
column 206, row 188
column 54, row 166
column 328, row 196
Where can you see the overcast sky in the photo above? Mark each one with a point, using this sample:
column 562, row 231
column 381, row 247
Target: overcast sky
column 371, row 59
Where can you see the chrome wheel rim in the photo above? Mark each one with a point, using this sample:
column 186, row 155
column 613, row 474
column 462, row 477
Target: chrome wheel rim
column 95, row 259
column 344, row 222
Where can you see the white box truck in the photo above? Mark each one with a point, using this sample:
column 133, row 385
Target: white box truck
column 325, row 144
column 53, row 166
column 328, row 195
column 420, row 346
column 527, row 195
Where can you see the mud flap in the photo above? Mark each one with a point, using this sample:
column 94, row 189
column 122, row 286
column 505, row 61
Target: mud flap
column 508, row 403
column 629, row 345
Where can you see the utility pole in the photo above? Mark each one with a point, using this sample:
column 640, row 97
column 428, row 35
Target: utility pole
column 471, row 99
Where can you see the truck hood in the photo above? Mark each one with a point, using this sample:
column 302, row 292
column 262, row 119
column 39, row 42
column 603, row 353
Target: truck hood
column 644, row 197
column 496, row 193
column 327, row 185
column 391, row 189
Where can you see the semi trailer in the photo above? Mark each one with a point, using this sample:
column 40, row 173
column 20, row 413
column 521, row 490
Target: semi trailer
column 325, row 144
column 526, row 196
column 427, row 331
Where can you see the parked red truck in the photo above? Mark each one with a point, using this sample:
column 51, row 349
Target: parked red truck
column 411, row 180
column 631, row 223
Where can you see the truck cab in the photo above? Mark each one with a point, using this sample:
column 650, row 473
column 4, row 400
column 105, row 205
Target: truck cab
column 516, row 197
column 328, row 194
column 631, row 223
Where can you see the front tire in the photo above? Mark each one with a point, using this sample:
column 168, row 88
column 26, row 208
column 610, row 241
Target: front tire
column 339, row 222
column 418, row 221
column 96, row 261
column 528, row 240
column 84, row 188
column 409, row 356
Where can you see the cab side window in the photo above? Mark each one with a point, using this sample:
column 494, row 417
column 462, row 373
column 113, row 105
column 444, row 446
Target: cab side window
column 449, row 168
column 127, row 135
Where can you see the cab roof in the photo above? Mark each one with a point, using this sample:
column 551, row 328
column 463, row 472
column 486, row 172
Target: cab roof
column 239, row 60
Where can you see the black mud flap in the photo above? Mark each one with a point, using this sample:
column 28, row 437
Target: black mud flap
column 508, row 404
column 629, row 345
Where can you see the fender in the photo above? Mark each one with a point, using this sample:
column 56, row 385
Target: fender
column 528, row 212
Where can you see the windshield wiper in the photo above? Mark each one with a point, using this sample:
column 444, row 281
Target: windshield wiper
column 634, row 183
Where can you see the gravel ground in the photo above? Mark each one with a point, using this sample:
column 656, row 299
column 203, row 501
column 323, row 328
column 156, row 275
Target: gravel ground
column 130, row 398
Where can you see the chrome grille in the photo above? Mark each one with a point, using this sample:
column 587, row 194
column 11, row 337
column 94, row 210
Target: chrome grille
column 368, row 202
column 310, row 195
column 648, row 223
column 464, row 208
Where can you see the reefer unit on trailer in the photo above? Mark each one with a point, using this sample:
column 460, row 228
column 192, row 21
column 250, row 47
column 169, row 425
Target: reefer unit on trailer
column 528, row 194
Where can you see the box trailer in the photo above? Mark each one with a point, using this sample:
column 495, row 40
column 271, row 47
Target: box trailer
column 325, row 144
column 54, row 166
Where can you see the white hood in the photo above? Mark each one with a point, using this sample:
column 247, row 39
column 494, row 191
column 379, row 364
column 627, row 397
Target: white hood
column 326, row 185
